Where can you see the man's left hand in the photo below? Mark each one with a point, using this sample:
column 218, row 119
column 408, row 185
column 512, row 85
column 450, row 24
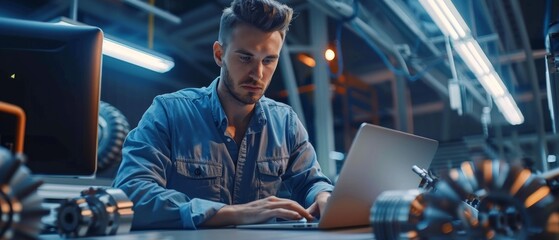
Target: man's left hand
column 317, row 208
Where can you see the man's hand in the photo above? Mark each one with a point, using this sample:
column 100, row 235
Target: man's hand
column 258, row 211
column 317, row 208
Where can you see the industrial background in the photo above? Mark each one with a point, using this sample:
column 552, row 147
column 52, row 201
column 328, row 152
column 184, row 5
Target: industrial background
column 391, row 68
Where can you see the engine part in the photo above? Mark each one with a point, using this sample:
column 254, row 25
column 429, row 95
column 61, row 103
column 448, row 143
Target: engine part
column 415, row 214
column 98, row 212
column 112, row 128
column 20, row 206
column 513, row 203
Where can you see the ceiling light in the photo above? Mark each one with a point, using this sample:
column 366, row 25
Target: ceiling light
column 141, row 57
column 136, row 56
column 329, row 54
column 447, row 18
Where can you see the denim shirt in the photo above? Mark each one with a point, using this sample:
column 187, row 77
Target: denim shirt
column 179, row 166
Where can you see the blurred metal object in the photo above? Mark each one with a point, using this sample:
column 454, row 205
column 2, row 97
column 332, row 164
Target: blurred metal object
column 20, row 206
column 415, row 214
column 513, row 203
column 98, row 212
column 482, row 200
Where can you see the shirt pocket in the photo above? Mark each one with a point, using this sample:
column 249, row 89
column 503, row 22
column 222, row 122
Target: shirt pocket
column 199, row 179
column 270, row 174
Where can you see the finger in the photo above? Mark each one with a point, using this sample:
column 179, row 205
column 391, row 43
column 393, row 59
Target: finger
column 283, row 213
column 312, row 208
column 293, row 206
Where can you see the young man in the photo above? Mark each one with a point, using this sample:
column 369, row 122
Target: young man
column 225, row 154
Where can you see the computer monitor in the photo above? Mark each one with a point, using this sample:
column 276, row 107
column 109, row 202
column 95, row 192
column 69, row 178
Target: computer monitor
column 53, row 73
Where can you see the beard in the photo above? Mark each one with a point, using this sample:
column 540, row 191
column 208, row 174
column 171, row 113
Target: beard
column 237, row 93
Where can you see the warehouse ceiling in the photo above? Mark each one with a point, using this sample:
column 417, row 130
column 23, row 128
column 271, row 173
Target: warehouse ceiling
column 400, row 44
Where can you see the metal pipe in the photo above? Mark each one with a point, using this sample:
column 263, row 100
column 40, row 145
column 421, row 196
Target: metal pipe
column 323, row 118
column 74, row 10
column 155, row 10
column 534, row 82
column 290, row 83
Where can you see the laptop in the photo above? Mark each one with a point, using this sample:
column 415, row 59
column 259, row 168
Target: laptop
column 379, row 159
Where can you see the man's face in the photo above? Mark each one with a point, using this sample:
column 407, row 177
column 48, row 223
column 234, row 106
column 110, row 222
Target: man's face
column 248, row 62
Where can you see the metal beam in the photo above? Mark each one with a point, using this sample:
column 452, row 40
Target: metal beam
column 525, row 41
column 323, row 119
column 286, row 67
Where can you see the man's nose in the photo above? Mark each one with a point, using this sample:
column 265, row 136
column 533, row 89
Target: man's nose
column 257, row 71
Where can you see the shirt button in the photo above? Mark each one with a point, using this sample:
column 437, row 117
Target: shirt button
column 197, row 171
column 280, row 171
column 228, row 139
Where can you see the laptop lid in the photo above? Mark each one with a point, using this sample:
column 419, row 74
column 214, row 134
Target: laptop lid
column 379, row 159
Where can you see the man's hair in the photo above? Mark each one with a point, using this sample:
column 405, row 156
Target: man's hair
column 266, row 15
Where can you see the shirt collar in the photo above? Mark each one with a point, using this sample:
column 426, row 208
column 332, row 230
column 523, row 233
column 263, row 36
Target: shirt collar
column 257, row 121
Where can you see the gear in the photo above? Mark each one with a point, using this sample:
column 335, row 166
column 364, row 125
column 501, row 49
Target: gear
column 98, row 212
column 20, row 206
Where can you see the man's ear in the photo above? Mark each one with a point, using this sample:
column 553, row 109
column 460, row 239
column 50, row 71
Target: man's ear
column 218, row 53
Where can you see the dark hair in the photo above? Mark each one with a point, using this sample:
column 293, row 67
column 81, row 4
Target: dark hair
column 266, row 15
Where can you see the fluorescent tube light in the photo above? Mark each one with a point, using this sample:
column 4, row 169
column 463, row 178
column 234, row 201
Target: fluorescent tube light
column 492, row 84
column 439, row 18
column 143, row 58
column 470, row 59
column 447, row 18
column 138, row 57
column 454, row 17
column 508, row 108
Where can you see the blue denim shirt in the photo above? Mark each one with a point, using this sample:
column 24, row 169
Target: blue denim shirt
column 179, row 166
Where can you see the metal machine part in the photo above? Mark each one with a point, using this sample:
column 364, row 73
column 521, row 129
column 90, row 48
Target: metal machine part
column 98, row 212
column 513, row 203
column 415, row 214
column 112, row 130
column 482, row 200
column 20, row 206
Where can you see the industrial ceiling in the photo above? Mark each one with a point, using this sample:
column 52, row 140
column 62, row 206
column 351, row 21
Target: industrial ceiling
column 394, row 62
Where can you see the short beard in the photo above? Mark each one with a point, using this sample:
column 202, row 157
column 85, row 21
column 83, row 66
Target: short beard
column 227, row 81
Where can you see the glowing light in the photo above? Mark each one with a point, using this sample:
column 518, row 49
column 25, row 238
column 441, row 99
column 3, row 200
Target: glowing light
column 329, row 54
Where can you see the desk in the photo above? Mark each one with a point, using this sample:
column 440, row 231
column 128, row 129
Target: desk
column 233, row 233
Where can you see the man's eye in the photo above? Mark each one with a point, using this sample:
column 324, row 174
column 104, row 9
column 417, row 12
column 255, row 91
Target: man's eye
column 267, row 61
column 244, row 58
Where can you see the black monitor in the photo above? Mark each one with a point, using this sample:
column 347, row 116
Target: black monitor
column 53, row 73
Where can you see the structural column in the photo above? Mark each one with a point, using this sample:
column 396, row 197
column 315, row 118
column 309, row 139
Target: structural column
column 323, row 119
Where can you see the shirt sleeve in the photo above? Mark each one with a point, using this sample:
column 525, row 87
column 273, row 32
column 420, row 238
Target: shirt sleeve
column 142, row 176
column 305, row 178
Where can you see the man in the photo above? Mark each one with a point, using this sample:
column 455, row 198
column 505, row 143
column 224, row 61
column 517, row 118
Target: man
column 218, row 156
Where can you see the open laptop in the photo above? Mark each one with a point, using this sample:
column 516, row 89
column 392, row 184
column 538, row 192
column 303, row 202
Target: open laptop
column 379, row 159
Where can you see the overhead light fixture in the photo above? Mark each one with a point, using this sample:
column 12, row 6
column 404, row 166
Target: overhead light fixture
column 451, row 23
column 141, row 57
column 152, row 61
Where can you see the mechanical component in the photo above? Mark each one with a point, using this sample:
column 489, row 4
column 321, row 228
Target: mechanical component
column 513, row 203
column 415, row 214
column 112, row 130
column 98, row 212
column 20, row 206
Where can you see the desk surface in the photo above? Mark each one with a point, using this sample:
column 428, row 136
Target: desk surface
column 233, row 233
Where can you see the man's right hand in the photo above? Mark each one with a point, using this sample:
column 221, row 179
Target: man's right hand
column 258, row 211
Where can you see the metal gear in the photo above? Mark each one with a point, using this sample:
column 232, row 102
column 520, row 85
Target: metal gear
column 98, row 212
column 20, row 206
column 514, row 203
column 415, row 214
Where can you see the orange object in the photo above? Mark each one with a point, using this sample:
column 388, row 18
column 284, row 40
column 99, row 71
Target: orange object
column 20, row 114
